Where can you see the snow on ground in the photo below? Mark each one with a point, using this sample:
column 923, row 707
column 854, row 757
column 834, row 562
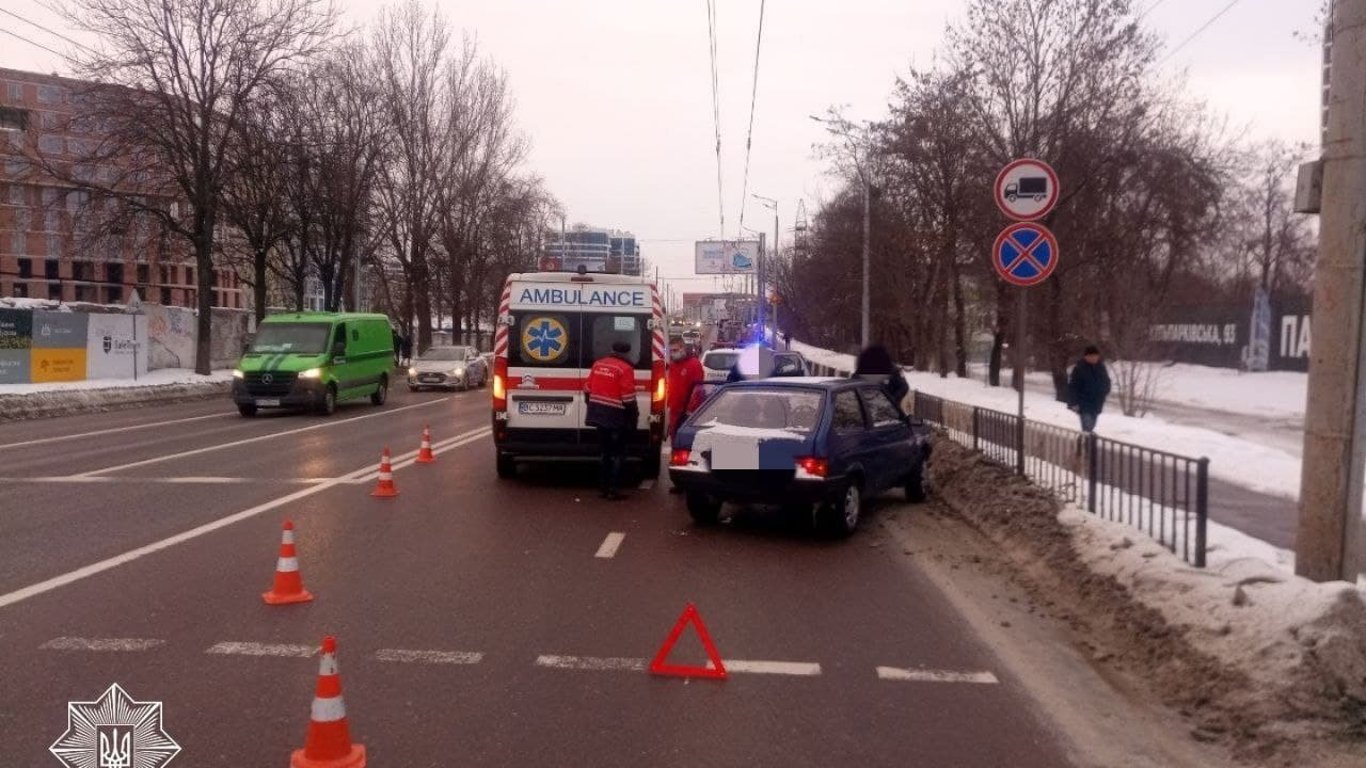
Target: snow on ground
column 158, row 378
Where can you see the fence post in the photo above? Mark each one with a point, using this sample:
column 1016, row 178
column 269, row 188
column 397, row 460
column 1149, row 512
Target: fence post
column 976, row 419
column 1020, row 446
column 1201, row 509
column 1092, row 469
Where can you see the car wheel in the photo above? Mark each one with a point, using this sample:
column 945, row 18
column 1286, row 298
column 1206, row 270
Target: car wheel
column 918, row 485
column 507, row 468
column 705, row 510
column 840, row 516
column 412, row 388
column 247, row 411
column 327, row 404
column 381, row 393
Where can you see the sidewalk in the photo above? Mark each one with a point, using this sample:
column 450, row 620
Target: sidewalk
column 34, row 401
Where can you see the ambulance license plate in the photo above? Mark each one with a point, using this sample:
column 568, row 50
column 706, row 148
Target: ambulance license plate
column 541, row 409
column 268, row 403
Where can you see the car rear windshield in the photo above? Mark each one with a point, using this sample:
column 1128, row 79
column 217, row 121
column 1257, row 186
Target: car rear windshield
column 794, row 409
column 444, row 353
column 294, row 338
column 720, row 361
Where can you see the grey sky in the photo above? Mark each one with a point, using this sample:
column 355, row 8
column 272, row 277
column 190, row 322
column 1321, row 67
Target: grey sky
column 616, row 94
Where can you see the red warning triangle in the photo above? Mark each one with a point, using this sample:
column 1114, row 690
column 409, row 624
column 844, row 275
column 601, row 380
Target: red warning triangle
column 716, row 670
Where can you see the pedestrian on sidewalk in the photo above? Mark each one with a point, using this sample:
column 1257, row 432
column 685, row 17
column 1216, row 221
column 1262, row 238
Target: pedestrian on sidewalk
column 407, row 349
column 612, row 409
column 1087, row 387
column 875, row 363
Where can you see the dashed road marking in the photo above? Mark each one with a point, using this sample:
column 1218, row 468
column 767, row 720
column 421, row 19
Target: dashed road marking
column 591, row 663
column 428, row 657
column 257, row 439
column 129, row 428
column 610, row 545
column 935, row 676
column 101, row 644
column 797, row 668
column 263, row 649
column 85, row 572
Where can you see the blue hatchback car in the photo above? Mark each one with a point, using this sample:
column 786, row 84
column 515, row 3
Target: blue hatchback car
column 816, row 445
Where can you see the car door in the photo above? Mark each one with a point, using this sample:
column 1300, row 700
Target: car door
column 888, row 439
column 846, row 445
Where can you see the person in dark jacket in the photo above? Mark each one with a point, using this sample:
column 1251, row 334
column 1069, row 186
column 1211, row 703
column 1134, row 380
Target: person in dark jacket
column 1087, row 387
column 611, row 395
column 875, row 364
column 406, row 348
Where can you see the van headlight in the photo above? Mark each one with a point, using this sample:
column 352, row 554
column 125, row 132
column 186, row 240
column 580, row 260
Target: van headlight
column 237, row 374
column 312, row 373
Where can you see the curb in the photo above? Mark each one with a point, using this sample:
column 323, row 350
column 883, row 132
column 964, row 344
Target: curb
column 43, row 405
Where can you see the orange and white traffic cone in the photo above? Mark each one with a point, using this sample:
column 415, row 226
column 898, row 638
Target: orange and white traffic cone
column 385, row 488
column 289, row 585
column 424, row 454
column 329, row 737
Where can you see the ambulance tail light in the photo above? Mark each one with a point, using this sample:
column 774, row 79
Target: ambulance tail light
column 500, row 387
column 657, row 387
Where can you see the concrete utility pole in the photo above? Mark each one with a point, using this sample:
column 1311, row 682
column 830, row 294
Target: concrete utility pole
column 1328, row 542
column 867, row 224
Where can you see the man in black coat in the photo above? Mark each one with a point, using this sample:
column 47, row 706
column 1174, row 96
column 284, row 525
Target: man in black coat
column 1088, row 386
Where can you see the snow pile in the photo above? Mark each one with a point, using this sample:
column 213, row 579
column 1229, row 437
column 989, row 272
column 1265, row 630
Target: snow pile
column 1270, row 664
column 159, row 378
column 24, row 303
column 824, row 357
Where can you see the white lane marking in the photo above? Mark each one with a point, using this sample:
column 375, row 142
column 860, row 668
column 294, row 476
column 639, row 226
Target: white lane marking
column 797, row 668
column 428, row 657
column 42, row 587
column 257, row 439
column 263, row 649
column 56, row 479
column 173, row 480
column 610, row 545
column 590, row 662
column 98, row 432
column 410, row 458
column 935, row 676
column 100, row 644
column 646, row 485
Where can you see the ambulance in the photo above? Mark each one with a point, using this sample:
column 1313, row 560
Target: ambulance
column 551, row 327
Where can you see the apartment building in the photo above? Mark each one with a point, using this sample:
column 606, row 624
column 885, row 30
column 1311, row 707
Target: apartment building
column 48, row 246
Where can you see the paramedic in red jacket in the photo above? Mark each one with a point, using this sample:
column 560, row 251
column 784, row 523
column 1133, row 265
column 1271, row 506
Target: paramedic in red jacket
column 685, row 372
column 611, row 394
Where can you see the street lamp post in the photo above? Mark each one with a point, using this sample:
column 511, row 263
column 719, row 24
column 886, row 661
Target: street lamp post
column 845, row 128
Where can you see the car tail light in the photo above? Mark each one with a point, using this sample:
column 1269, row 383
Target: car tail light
column 500, row 390
column 657, row 387
column 679, row 457
column 813, row 467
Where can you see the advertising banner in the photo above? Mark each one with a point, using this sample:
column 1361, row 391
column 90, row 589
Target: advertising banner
column 727, row 257
column 59, row 330
column 116, row 347
column 57, row 365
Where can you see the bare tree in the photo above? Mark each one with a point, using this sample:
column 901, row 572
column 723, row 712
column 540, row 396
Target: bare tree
column 172, row 82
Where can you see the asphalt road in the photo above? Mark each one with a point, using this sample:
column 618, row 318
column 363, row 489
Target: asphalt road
column 479, row 622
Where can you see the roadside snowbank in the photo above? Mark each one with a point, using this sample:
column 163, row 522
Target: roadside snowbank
column 1270, row 664
column 32, row 401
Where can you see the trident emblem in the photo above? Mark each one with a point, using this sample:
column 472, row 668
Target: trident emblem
column 115, row 752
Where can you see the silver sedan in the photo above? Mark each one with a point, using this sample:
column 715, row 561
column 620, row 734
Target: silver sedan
column 448, row 368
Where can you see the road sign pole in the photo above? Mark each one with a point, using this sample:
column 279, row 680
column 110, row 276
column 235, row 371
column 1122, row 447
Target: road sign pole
column 1021, row 339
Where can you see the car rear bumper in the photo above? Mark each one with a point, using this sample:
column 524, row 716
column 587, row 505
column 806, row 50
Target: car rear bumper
column 757, row 486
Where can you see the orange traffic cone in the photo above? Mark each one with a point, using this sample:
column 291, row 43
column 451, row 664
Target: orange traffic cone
column 289, row 585
column 329, row 738
column 385, row 488
column 424, row 454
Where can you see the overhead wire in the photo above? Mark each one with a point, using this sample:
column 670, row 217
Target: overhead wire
column 1199, row 31
column 34, row 43
column 1149, row 9
column 52, row 32
column 753, row 100
column 712, row 23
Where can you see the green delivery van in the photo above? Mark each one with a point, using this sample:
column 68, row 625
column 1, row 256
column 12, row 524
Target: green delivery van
column 314, row 360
